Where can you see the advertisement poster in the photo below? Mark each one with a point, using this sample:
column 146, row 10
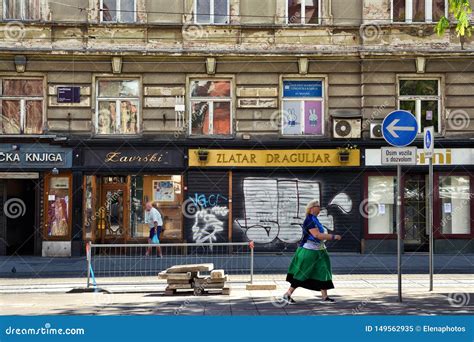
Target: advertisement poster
column 313, row 120
column 302, row 88
column 163, row 191
column 291, row 117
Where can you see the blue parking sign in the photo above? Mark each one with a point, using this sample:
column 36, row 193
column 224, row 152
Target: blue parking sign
column 428, row 141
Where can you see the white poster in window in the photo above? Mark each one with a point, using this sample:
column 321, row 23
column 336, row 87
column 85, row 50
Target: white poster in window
column 429, row 115
column 59, row 183
column 382, row 209
column 291, row 118
column 163, row 191
column 447, row 208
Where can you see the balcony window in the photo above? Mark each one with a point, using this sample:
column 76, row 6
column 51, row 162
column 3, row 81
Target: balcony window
column 413, row 11
column 117, row 107
column 303, row 11
column 212, row 11
column 22, row 9
column 118, row 11
column 21, row 103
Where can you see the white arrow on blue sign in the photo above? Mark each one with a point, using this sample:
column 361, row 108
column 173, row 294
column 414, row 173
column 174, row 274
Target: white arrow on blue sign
column 399, row 128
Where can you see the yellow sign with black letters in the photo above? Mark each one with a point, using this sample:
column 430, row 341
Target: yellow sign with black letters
column 271, row 158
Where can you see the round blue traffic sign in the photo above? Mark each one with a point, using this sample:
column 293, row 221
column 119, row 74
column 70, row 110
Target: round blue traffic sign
column 399, row 128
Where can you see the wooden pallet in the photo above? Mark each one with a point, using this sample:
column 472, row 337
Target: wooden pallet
column 198, row 291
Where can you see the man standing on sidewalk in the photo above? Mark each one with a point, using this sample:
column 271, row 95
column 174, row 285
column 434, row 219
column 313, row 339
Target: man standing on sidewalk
column 155, row 222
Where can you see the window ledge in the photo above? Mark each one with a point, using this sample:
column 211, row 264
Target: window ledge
column 305, row 137
column 221, row 137
column 33, row 21
column 401, row 23
column 29, row 136
column 116, row 136
column 388, row 236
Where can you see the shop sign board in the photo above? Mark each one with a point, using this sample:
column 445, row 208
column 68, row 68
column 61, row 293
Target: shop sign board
column 441, row 157
column 142, row 158
column 273, row 158
column 302, row 88
column 34, row 156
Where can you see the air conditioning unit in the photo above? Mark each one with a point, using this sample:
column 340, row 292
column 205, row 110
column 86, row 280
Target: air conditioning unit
column 376, row 131
column 347, row 128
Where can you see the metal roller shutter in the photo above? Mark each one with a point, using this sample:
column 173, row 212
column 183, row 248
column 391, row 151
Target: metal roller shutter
column 269, row 208
column 206, row 208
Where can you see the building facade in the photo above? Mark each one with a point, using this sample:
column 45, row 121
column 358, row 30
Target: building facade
column 230, row 115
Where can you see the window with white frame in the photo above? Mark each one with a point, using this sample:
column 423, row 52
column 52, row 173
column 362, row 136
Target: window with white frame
column 117, row 106
column 211, row 107
column 455, row 196
column 21, row 103
column 412, row 11
column 22, row 9
column 381, row 204
column 212, row 11
column 303, row 11
column 118, row 11
column 302, row 107
column 421, row 97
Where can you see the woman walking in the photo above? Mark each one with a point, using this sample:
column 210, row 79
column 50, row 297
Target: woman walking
column 310, row 267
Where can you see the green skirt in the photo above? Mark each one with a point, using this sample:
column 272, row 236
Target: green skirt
column 310, row 269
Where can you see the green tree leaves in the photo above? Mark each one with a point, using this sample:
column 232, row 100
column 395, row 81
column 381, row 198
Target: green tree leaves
column 460, row 11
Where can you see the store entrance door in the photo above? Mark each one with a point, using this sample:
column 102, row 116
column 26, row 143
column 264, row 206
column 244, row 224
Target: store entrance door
column 113, row 213
column 415, row 213
column 18, row 212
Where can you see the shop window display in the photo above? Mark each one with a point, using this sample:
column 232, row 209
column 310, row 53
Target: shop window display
column 381, row 205
column 455, row 197
column 114, row 206
column 58, row 207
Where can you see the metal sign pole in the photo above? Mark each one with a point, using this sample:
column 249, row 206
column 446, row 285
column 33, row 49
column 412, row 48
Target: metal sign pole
column 428, row 147
column 399, row 231
column 430, row 219
column 399, row 129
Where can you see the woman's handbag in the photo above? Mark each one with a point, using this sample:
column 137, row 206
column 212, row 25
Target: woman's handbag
column 155, row 239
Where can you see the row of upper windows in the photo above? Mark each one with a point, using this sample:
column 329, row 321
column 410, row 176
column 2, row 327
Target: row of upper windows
column 298, row 12
column 210, row 106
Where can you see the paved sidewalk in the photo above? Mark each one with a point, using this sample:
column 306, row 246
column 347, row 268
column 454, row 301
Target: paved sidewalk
column 37, row 267
column 355, row 295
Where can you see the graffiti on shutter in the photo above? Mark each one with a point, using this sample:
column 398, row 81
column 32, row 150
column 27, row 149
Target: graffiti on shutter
column 274, row 208
column 208, row 195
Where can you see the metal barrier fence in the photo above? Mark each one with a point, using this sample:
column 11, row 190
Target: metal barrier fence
column 122, row 262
